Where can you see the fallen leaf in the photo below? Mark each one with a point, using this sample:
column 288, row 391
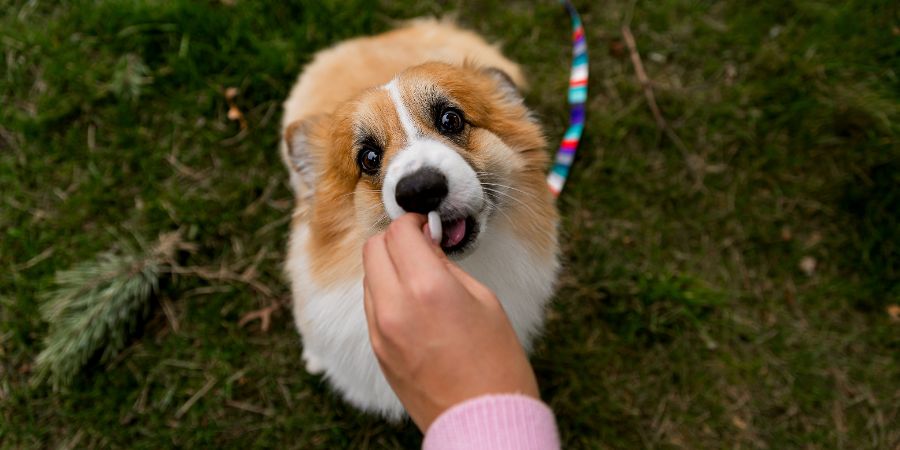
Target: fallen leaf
column 730, row 74
column 234, row 113
column 894, row 312
column 617, row 48
column 808, row 265
column 814, row 239
column 786, row 234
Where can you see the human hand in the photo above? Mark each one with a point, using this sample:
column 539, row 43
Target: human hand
column 440, row 336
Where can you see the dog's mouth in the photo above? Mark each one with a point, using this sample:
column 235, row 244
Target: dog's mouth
column 458, row 234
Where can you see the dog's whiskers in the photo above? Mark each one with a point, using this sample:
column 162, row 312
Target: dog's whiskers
column 524, row 205
column 359, row 191
column 495, row 207
column 371, row 209
column 504, row 186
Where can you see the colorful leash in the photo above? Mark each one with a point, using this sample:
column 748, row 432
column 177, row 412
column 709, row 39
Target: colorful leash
column 578, row 80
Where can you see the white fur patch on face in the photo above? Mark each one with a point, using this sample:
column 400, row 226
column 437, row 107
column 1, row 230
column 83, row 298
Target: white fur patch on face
column 406, row 119
column 464, row 196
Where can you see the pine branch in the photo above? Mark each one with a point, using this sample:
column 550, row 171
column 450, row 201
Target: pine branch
column 96, row 305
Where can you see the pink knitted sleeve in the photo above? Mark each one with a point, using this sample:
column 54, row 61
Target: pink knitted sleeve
column 498, row 422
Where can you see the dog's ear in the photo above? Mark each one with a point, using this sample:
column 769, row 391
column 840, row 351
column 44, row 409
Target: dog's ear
column 505, row 83
column 299, row 150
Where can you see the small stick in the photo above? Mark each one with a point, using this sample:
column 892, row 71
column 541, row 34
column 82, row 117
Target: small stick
column 264, row 315
column 197, row 395
column 221, row 275
column 169, row 310
column 642, row 76
column 647, row 86
column 36, row 260
column 251, row 408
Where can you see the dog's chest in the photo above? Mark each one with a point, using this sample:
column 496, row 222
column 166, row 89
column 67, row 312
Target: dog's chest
column 522, row 281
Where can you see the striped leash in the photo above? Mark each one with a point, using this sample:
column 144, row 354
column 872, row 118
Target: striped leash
column 578, row 80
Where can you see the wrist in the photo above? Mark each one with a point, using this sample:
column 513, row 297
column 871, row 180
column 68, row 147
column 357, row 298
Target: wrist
column 501, row 421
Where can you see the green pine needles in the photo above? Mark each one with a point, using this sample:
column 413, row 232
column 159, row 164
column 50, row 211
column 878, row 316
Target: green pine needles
column 97, row 305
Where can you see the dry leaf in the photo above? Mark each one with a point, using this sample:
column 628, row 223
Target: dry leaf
column 617, row 48
column 786, row 234
column 808, row 265
column 234, row 113
column 894, row 312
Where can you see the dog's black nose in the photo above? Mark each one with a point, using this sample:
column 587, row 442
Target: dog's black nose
column 421, row 191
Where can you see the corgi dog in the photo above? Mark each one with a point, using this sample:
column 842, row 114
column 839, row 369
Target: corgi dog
column 428, row 117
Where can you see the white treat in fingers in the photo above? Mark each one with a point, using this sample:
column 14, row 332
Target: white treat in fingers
column 434, row 226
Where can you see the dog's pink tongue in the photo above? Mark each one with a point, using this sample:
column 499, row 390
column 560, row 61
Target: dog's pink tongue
column 454, row 232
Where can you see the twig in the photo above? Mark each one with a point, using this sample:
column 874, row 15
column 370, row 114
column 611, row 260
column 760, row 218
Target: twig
column 169, row 310
column 272, row 225
column 647, row 86
column 183, row 169
column 221, row 275
column 264, row 315
column 253, row 207
column 250, row 408
column 235, row 377
column 36, row 260
column 285, row 393
column 250, row 271
column 197, row 395
column 73, row 443
column 642, row 76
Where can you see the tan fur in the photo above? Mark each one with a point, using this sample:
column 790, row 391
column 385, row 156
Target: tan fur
column 534, row 215
column 342, row 72
column 330, row 83
column 346, row 210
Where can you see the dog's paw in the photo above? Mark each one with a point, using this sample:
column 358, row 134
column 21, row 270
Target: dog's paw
column 313, row 365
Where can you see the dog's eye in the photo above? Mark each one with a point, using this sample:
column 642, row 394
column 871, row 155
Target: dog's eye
column 451, row 121
column 369, row 160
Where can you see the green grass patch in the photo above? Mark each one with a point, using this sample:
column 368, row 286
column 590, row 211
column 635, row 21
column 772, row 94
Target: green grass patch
column 731, row 293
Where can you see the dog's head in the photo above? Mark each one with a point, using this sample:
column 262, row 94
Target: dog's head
column 438, row 137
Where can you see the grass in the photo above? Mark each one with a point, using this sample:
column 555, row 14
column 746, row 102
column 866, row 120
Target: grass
column 730, row 294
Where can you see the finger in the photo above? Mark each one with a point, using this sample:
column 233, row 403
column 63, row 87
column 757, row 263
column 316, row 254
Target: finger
column 411, row 252
column 380, row 274
column 368, row 304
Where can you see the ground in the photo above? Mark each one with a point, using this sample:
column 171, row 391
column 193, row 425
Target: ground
column 729, row 277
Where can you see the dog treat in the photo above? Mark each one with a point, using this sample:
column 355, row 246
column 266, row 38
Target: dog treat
column 434, row 226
